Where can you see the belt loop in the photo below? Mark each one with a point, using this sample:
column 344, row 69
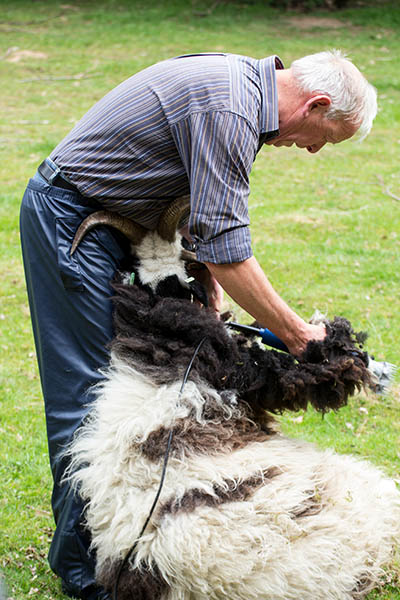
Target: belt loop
column 48, row 170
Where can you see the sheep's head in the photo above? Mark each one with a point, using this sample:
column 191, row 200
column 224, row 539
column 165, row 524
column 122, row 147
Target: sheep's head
column 159, row 262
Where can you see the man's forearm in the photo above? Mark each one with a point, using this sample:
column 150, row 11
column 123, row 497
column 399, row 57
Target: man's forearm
column 246, row 284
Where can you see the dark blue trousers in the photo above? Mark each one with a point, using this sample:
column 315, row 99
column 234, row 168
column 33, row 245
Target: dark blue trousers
column 70, row 305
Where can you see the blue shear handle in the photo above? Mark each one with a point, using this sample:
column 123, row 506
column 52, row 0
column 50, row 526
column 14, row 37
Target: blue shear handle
column 271, row 339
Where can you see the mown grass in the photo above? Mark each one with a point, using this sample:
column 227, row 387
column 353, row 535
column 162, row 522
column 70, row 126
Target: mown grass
column 324, row 227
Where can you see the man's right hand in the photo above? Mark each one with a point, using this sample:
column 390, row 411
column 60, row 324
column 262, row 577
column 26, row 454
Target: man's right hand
column 310, row 332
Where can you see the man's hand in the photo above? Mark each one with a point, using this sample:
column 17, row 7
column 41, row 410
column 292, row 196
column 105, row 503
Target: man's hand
column 310, row 332
column 215, row 293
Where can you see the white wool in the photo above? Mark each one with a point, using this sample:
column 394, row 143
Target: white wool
column 243, row 550
column 159, row 259
column 317, row 524
column 128, row 408
column 256, row 550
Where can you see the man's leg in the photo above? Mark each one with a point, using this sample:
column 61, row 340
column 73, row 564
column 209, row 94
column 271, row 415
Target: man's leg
column 70, row 307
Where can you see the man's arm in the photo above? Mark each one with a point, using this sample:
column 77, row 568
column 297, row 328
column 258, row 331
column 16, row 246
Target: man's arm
column 246, row 283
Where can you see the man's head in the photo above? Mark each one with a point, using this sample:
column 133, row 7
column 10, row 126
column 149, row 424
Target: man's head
column 323, row 98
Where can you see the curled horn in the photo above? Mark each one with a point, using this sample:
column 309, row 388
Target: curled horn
column 133, row 231
column 176, row 212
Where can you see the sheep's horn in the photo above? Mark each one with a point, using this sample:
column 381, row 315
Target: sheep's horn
column 170, row 219
column 176, row 212
column 133, row 231
column 188, row 256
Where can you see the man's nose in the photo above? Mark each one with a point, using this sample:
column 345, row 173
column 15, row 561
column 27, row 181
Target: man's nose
column 315, row 147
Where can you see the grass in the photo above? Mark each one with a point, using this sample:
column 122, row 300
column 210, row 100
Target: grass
column 324, row 227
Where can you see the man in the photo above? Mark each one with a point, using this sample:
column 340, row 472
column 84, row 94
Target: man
column 192, row 124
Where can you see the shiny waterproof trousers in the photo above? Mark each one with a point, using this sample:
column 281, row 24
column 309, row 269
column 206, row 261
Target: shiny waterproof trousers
column 70, row 306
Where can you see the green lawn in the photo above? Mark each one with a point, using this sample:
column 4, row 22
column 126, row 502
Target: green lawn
column 326, row 228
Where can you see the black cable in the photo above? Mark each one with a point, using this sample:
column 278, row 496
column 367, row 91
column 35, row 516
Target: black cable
column 163, row 473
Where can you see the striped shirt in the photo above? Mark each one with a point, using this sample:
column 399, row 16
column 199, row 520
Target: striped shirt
column 188, row 125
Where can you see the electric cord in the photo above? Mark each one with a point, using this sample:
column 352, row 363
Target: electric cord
column 163, row 473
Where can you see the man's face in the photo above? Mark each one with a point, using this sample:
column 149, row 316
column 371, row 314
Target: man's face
column 312, row 131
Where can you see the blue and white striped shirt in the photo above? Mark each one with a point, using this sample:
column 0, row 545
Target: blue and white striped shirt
column 189, row 125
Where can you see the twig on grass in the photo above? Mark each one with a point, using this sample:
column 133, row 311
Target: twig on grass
column 386, row 188
column 380, row 181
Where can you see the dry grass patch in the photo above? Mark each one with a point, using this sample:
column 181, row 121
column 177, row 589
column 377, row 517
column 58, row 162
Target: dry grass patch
column 305, row 22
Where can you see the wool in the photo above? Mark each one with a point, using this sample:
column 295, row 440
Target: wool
column 208, row 438
column 245, row 513
column 145, row 582
column 299, row 532
column 256, row 549
column 158, row 268
column 159, row 334
column 231, row 491
column 158, row 259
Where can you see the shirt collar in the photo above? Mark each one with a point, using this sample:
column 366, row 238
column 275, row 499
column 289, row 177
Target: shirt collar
column 269, row 123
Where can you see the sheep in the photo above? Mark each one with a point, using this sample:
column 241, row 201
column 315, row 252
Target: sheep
column 244, row 512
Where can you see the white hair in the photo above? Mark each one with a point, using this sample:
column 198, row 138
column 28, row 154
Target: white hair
column 331, row 73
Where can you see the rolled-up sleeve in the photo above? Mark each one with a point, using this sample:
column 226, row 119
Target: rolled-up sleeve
column 218, row 150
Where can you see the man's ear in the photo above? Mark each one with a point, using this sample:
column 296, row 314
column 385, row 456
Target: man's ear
column 319, row 102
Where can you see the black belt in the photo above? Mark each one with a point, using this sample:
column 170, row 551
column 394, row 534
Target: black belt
column 52, row 174
column 59, row 181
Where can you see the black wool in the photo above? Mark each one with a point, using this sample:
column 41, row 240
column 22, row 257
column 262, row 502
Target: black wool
column 159, row 334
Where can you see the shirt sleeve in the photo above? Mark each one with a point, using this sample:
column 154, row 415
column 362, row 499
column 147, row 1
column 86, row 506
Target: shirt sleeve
column 218, row 150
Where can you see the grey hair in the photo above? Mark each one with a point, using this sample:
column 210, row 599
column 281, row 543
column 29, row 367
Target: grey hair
column 331, row 73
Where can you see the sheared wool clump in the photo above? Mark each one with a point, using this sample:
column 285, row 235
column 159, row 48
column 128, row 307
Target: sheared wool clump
column 160, row 333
